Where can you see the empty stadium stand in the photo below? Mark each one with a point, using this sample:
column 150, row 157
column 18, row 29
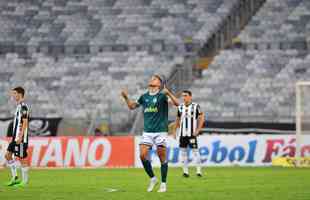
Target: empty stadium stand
column 256, row 80
column 74, row 56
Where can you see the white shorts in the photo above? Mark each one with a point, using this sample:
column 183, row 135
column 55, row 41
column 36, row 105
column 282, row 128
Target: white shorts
column 158, row 139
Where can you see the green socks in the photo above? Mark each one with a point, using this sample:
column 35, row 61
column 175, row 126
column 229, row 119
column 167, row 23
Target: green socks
column 164, row 172
column 148, row 168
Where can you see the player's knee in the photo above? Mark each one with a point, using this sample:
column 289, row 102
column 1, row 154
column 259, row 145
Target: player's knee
column 162, row 158
column 23, row 162
column 161, row 150
column 162, row 154
column 144, row 152
column 143, row 157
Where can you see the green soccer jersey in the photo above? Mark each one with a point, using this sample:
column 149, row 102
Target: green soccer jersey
column 155, row 108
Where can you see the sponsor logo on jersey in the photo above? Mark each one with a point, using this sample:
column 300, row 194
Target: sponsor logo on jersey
column 151, row 109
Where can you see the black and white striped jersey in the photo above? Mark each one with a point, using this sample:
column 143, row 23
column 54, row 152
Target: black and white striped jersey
column 22, row 112
column 188, row 118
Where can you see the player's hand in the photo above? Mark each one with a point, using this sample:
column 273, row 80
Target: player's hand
column 19, row 140
column 197, row 132
column 124, row 94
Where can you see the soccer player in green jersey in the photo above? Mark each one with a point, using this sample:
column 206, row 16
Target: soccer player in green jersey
column 155, row 108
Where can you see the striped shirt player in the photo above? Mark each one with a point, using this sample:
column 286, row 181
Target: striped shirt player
column 188, row 115
column 19, row 144
column 20, row 150
column 189, row 121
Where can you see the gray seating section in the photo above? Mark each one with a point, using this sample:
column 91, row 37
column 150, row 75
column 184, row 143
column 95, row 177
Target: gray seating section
column 75, row 87
column 252, row 85
column 280, row 22
column 256, row 85
column 110, row 22
column 258, row 82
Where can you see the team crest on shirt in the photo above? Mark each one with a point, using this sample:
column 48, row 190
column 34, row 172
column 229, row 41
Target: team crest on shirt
column 155, row 100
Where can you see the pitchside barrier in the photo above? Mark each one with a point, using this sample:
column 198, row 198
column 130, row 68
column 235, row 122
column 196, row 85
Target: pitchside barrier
column 78, row 151
column 233, row 150
column 123, row 151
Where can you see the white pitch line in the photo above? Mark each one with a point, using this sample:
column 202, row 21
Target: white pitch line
column 111, row 189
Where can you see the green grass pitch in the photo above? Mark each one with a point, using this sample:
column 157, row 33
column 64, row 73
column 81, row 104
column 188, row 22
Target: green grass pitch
column 232, row 183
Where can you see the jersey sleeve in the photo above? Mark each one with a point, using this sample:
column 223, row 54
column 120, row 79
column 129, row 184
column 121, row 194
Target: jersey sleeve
column 24, row 112
column 140, row 101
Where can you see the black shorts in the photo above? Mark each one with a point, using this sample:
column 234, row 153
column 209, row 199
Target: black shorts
column 190, row 142
column 19, row 150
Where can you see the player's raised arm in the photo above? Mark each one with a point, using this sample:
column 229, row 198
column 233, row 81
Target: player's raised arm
column 173, row 98
column 130, row 103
